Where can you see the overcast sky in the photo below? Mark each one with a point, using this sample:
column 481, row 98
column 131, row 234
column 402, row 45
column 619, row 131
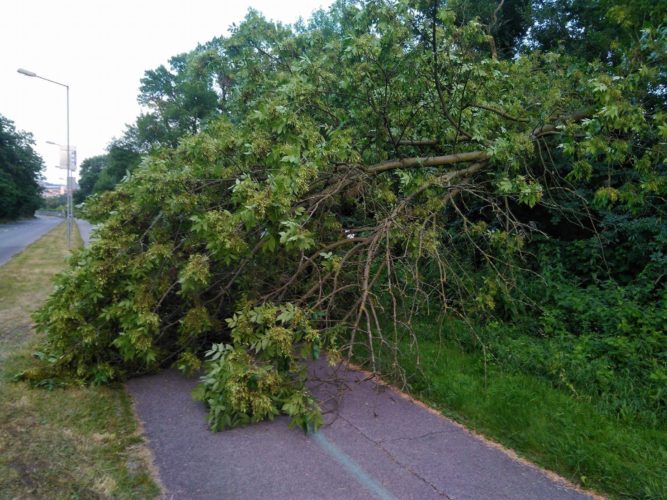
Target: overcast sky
column 101, row 49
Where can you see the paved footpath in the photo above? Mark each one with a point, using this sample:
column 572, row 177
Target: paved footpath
column 16, row 236
column 85, row 230
column 376, row 444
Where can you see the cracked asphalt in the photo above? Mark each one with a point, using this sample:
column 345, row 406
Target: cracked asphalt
column 376, row 443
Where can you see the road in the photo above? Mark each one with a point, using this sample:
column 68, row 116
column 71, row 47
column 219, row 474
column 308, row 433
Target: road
column 14, row 237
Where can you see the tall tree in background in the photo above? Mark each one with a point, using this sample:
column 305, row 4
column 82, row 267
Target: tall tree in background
column 90, row 172
column 122, row 158
column 102, row 173
column 179, row 100
column 20, row 167
column 591, row 29
column 506, row 21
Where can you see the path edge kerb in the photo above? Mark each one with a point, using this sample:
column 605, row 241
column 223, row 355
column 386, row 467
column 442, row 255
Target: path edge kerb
column 510, row 453
column 147, row 451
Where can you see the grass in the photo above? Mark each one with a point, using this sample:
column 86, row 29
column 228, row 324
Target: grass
column 528, row 414
column 62, row 443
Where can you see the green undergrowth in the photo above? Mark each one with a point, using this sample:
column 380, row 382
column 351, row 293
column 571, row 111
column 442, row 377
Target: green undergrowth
column 74, row 442
column 550, row 426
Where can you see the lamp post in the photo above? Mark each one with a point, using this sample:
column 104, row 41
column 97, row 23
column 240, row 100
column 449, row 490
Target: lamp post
column 69, row 182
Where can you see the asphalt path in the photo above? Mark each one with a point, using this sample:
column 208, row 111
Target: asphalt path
column 376, row 443
column 85, row 230
column 15, row 236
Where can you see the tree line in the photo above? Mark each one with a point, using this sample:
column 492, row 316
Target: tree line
column 20, row 172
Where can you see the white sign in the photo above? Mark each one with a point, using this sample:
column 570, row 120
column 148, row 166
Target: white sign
column 72, row 158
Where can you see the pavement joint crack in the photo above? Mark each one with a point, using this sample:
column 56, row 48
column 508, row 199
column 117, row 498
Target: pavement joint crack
column 393, row 458
column 422, row 436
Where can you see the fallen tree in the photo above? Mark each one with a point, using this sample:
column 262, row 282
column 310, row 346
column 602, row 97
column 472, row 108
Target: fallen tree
column 361, row 166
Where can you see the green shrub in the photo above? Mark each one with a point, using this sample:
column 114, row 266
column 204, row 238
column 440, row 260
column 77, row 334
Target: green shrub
column 258, row 376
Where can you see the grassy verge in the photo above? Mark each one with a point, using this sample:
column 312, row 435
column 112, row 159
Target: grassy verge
column 528, row 414
column 63, row 443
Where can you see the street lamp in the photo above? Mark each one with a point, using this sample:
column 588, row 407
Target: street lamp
column 69, row 182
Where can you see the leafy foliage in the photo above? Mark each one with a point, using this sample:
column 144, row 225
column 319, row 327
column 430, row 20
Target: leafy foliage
column 258, row 376
column 378, row 159
column 20, row 171
column 600, row 29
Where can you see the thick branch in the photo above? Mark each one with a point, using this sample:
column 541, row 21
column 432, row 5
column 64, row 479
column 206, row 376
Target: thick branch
column 425, row 142
column 431, row 161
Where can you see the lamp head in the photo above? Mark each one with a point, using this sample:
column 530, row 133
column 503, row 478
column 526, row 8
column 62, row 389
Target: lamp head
column 26, row 72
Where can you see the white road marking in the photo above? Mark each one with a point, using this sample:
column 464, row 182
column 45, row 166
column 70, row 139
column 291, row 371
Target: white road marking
column 352, row 467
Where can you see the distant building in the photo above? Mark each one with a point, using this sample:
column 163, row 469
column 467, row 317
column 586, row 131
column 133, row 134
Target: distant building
column 51, row 190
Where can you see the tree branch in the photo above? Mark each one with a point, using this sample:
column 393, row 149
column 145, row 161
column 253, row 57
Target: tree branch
column 552, row 128
column 424, row 142
column 430, row 161
column 499, row 112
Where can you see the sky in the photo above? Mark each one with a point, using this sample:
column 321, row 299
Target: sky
column 101, row 49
